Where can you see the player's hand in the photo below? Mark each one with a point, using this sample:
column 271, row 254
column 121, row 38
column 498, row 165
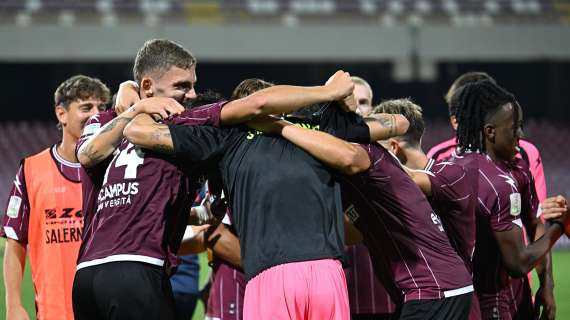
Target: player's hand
column 127, row 96
column 16, row 313
column 159, row 107
column 348, row 104
column 545, row 298
column 268, row 124
column 339, row 86
column 556, row 208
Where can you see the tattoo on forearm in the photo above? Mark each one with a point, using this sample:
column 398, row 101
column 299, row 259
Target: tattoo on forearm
column 158, row 136
column 111, row 125
column 388, row 121
column 91, row 154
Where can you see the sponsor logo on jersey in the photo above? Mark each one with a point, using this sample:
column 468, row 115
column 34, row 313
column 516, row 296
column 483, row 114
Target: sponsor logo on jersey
column 352, row 213
column 437, row 221
column 14, row 206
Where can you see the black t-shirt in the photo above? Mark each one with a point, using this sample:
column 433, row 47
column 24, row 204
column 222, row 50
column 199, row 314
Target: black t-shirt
column 286, row 204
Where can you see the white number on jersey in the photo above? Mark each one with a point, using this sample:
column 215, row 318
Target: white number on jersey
column 131, row 157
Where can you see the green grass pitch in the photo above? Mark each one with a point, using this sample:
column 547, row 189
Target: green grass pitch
column 561, row 266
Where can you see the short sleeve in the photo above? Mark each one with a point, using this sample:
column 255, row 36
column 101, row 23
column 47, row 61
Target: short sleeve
column 93, row 125
column 448, row 181
column 17, row 213
column 348, row 126
column 205, row 115
column 197, row 143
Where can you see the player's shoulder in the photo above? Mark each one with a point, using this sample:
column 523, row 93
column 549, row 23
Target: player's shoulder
column 38, row 155
column 447, row 168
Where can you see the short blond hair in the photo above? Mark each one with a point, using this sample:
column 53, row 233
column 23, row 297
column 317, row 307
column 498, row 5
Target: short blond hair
column 362, row 82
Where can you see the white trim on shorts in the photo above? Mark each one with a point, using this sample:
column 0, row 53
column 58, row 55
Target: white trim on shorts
column 121, row 257
column 458, row 292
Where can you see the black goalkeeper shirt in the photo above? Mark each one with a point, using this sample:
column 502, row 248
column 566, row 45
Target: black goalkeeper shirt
column 286, row 204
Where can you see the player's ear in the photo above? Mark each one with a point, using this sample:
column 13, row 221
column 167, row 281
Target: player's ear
column 490, row 132
column 453, row 121
column 147, row 87
column 61, row 114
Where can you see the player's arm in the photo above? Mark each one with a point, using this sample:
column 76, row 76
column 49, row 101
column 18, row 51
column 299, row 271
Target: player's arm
column 343, row 156
column 286, row 99
column 102, row 144
column 219, row 238
column 14, row 262
column 383, row 126
column 143, row 131
column 15, row 230
column 520, row 259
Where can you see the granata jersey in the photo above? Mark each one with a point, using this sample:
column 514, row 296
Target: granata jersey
column 409, row 248
column 507, row 199
column 365, row 292
column 454, row 199
column 44, row 213
column 137, row 202
column 527, row 151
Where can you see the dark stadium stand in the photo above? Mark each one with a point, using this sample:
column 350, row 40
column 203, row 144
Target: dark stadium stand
column 457, row 12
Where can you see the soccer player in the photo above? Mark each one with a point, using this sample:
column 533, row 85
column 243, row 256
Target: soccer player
column 137, row 201
column 368, row 297
column 363, row 96
column 227, row 292
column 489, row 125
column 286, row 243
column 43, row 217
column 527, row 151
column 409, row 248
column 451, row 185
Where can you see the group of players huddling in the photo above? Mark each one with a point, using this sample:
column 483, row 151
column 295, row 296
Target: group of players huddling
column 296, row 174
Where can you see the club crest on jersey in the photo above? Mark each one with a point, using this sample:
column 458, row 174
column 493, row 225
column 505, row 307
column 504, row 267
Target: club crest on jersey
column 352, row 213
column 14, row 206
column 515, row 204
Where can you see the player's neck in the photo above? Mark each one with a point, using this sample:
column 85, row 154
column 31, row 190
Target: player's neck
column 66, row 149
column 417, row 159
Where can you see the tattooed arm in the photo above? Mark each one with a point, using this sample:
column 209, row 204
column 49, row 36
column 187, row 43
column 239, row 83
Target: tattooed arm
column 383, row 125
column 102, row 144
column 145, row 132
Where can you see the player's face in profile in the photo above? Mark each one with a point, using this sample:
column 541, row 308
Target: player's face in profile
column 363, row 100
column 507, row 131
column 79, row 112
column 177, row 83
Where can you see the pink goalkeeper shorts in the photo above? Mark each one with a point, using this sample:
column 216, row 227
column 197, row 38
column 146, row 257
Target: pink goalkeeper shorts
column 304, row 290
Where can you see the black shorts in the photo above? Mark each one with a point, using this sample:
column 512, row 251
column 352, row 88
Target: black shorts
column 122, row 290
column 376, row 316
column 453, row 308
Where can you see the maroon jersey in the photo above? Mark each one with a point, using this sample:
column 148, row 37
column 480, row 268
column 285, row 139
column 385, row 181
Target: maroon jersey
column 16, row 220
column 411, row 253
column 137, row 207
column 507, row 199
column 227, row 292
column 365, row 292
column 454, row 198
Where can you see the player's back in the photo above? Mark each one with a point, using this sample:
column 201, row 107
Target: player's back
column 407, row 243
column 286, row 204
column 454, row 199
